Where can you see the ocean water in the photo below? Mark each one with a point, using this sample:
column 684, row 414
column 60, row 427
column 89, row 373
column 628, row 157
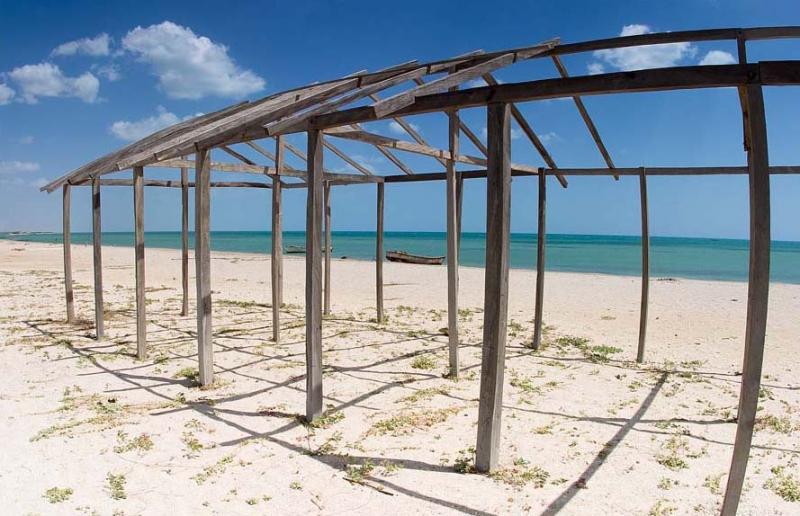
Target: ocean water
column 700, row 258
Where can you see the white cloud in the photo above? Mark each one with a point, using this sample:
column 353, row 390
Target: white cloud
column 38, row 183
column 136, row 130
column 549, row 137
column 47, row 80
column 398, row 129
column 647, row 56
column 109, row 71
column 6, row 94
column 189, row 66
column 96, row 46
column 26, row 140
column 718, row 57
column 595, row 68
column 14, row 167
column 515, row 133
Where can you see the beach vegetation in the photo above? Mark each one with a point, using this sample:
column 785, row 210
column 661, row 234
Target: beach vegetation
column 521, row 474
column 408, row 422
column 116, row 485
column 783, row 484
column 424, row 362
column 58, row 494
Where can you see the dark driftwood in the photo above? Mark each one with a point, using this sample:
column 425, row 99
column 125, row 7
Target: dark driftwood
column 495, row 307
column 645, row 267
column 138, row 217
column 757, row 297
column 97, row 254
column 452, row 245
column 314, row 277
column 202, row 260
column 67, row 236
column 541, row 238
column 379, row 253
column 277, row 243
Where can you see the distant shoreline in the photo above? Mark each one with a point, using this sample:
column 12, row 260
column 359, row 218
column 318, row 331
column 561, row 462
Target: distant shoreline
column 671, row 257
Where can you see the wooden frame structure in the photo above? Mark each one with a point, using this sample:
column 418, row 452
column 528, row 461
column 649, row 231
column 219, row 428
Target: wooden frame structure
column 340, row 109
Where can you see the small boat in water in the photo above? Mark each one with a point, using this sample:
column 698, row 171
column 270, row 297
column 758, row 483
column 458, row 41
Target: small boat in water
column 402, row 256
column 298, row 249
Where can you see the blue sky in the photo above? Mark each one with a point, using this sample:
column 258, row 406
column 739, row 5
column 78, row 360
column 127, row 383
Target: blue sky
column 79, row 78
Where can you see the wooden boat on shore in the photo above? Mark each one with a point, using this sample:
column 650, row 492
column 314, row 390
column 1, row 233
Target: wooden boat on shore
column 402, row 256
column 298, row 249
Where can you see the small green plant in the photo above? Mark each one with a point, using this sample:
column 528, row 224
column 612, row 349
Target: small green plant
column 189, row 373
column 116, row 486
column 142, row 443
column 329, row 418
column 712, row 483
column 358, row 473
column 297, row 486
column 465, row 461
column 406, row 423
column 780, row 425
column 192, row 444
column 783, row 484
column 666, row 483
column 521, row 474
column 662, row 508
column 424, row 362
column 58, row 494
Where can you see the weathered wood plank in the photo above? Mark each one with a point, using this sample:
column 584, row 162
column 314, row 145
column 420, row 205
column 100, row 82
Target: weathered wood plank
column 185, row 240
column 277, row 242
column 327, row 250
column 138, row 216
column 67, row 242
column 541, row 240
column 498, row 207
column 314, row 277
column 202, row 260
column 97, row 255
column 757, row 297
column 645, row 266
column 379, row 253
column 452, row 245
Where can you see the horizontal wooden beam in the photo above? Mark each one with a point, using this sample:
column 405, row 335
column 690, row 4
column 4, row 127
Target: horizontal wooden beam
column 175, row 184
column 770, row 73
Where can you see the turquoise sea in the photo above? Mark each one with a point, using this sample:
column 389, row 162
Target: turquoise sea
column 701, row 258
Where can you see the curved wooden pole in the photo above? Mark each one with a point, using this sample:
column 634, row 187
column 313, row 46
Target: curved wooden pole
column 67, row 241
column 541, row 237
column 757, row 296
column 645, row 266
column 97, row 254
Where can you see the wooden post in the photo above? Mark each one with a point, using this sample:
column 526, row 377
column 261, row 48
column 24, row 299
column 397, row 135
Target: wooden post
column 379, row 254
column 541, row 239
column 138, row 215
column 459, row 207
column 185, row 239
column 327, row 195
column 495, row 304
column 757, row 295
column 277, row 242
column 452, row 246
column 645, row 265
column 202, row 260
column 313, row 276
column 98, row 259
column 67, row 241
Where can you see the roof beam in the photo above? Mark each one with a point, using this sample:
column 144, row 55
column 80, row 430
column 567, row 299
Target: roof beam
column 770, row 73
column 392, row 143
column 586, row 118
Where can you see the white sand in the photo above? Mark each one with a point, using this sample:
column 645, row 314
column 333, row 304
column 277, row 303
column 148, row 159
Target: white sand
column 604, row 433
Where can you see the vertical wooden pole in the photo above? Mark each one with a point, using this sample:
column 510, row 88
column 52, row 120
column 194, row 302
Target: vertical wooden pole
column 757, row 295
column 459, row 208
column 98, row 259
column 495, row 304
column 138, row 216
column 452, row 246
column 185, row 239
column 645, row 265
column 541, row 239
column 379, row 253
column 327, row 195
column 67, row 240
column 313, row 276
column 202, row 260
column 277, row 242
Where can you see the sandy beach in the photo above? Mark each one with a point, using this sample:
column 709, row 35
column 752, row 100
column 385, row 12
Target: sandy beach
column 586, row 430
